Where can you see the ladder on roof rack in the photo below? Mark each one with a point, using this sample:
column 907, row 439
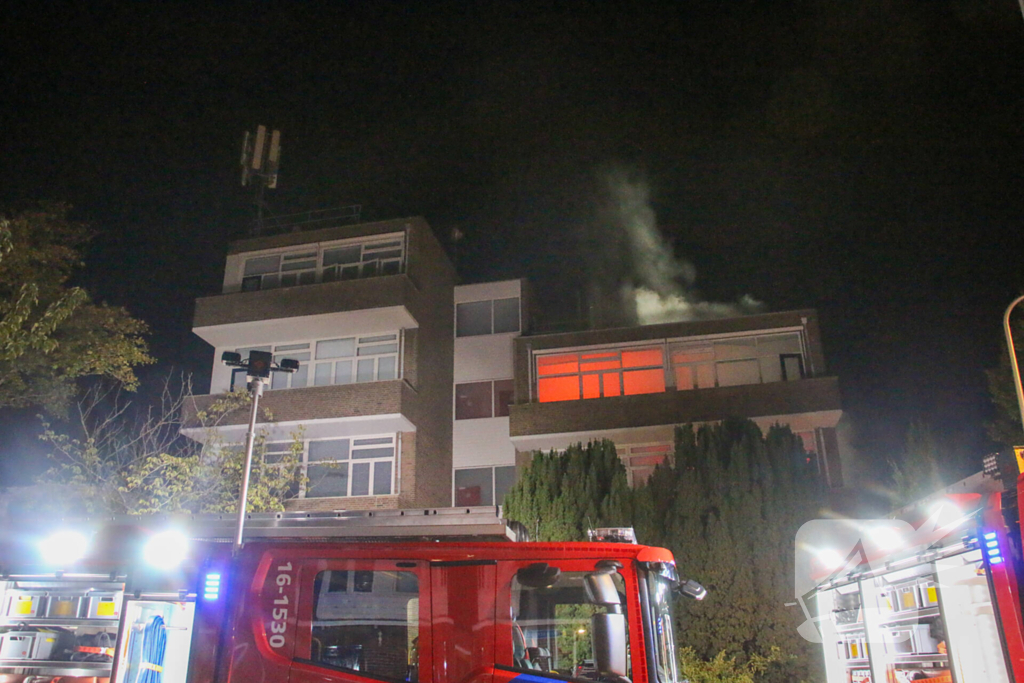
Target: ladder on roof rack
column 467, row 522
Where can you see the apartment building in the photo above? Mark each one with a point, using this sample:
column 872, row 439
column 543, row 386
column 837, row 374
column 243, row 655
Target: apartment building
column 367, row 311
column 413, row 391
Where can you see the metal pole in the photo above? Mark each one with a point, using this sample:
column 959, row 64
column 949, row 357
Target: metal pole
column 1013, row 357
column 243, row 498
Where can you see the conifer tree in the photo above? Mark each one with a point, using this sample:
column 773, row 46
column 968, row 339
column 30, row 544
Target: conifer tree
column 560, row 495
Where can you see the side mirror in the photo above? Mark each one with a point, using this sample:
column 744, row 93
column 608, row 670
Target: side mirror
column 692, row 589
column 609, row 638
column 601, row 589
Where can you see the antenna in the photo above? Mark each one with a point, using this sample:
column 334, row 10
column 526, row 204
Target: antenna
column 260, row 156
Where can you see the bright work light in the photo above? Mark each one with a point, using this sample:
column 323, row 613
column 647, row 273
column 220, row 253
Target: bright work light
column 166, row 550
column 63, row 548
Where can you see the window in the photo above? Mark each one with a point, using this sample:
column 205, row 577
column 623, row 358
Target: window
column 737, row 361
column 333, row 361
column 483, row 485
column 477, row 318
column 367, row 622
column 353, row 261
column 280, row 270
column 278, row 453
column 356, row 359
column 483, row 399
column 604, row 373
column 346, row 261
column 641, row 459
column 342, row 468
column 552, row 625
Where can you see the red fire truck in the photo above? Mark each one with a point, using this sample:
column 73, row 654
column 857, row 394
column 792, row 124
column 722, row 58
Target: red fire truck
column 408, row 596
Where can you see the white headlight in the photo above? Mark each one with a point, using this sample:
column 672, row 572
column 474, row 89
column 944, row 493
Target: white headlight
column 63, row 548
column 830, row 559
column 166, row 550
column 886, row 538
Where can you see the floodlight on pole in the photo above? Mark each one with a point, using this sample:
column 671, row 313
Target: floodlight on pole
column 258, row 367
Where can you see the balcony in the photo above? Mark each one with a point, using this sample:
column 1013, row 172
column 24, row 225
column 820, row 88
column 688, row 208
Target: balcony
column 382, row 303
column 817, row 397
column 329, row 411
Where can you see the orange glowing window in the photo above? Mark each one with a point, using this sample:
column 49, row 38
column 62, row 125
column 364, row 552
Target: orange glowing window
column 611, row 384
column 601, row 354
column 641, row 358
column 684, row 378
column 558, row 388
column 643, row 381
column 658, row 448
column 557, row 365
column 591, row 386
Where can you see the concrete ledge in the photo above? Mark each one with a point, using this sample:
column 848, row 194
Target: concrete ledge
column 675, row 407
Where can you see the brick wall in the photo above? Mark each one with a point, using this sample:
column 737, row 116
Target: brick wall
column 311, row 403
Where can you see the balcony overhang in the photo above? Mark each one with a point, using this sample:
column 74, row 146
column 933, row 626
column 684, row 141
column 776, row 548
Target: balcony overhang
column 390, row 300
column 804, row 404
column 321, row 326
column 327, row 428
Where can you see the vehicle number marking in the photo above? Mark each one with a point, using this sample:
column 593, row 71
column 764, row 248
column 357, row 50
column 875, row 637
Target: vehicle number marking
column 279, row 616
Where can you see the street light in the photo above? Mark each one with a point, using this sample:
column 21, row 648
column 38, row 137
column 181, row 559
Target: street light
column 1013, row 354
column 258, row 367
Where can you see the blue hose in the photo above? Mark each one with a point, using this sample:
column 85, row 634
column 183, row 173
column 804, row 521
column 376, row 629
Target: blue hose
column 154, row 645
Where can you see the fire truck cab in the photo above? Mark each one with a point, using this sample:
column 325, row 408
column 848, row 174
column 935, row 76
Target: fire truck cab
column 444, row 595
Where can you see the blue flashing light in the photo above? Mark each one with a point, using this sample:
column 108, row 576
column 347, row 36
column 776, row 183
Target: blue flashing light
column 994, row 551
column 993, row 544
column 990, row 535
column 211, row 590
column 995, row 560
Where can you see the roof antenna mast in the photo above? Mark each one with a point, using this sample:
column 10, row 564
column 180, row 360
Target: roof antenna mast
column 260, row 156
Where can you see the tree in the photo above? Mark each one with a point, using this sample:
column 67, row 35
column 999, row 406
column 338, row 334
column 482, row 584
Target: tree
column 560, row 495
column 728, row 505
column 916, row 474
column 52, row 334
column 117, row 460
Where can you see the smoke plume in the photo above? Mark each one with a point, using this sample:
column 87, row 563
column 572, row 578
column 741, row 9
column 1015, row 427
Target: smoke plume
column 655, row 286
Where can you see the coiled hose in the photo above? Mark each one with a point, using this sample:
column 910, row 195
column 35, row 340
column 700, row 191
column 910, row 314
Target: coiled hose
column 154, row 645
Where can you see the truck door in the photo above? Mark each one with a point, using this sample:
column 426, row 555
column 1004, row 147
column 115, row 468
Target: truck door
column 462, row 601
column 362, row 620
column 550, row 623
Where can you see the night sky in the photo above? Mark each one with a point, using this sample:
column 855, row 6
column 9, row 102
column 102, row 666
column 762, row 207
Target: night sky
column 861, row 158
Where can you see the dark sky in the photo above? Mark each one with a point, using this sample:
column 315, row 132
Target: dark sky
column 863, row 160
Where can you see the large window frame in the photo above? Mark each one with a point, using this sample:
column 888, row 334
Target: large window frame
column 572, row 374
column 323, row 460
column 498, row 484
column 488, row 316
column 600, row 373
column 384, row 604
column 373, row 358
column 483, row 399
column 351, row 259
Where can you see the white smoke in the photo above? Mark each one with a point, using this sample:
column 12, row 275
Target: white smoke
column 661, row 287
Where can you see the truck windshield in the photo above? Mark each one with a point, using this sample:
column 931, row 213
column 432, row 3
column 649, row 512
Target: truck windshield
column 660, row 589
